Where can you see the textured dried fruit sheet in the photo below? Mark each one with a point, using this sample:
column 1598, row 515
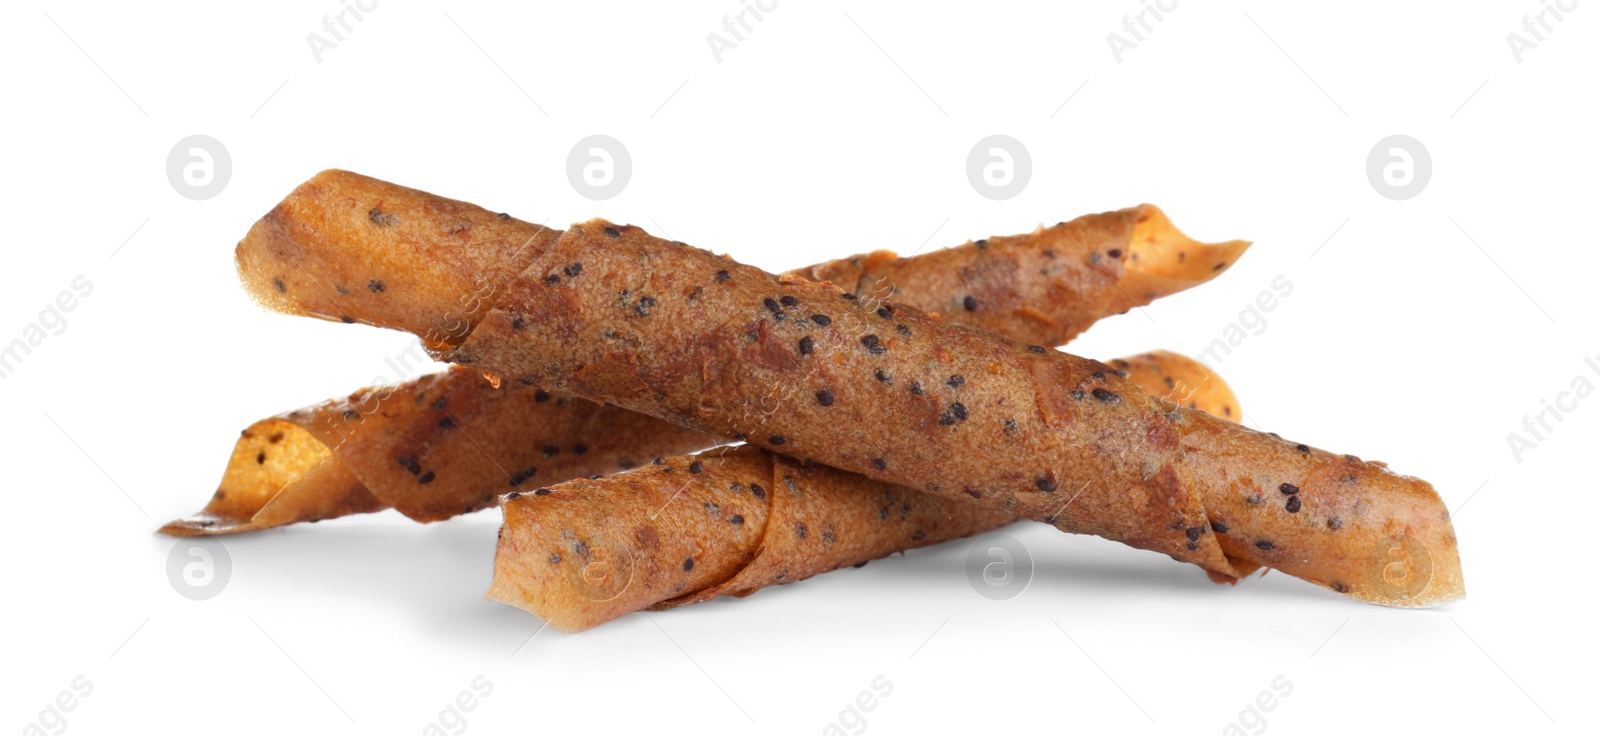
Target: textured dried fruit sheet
column 433, row 447
column 610, row 313
column 347, row 247
column 344, row 244
column 613, row 314
column 735, row 520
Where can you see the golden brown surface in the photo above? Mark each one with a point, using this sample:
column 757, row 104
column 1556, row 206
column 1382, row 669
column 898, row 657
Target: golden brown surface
column 1180, row 381
column 587, row 551
column 610, row 313
column 651, row 325
column 347, row 247
column 437, row 446
column 320, row 252
column 725, row 522
column 308, row 464
column 443, row 261
column 1047, row 286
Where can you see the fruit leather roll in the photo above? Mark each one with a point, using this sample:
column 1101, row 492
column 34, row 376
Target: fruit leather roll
column 725, row 522
column 433, row 447
column 351, row 248
column 612, row 314
column 459, row 255
column 734, row 520
column 451, row 443
column 1047, row 286
column 904, row 397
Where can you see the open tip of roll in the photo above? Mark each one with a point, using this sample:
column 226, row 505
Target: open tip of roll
column 204, row 525
column 1163, row 261
column 1443, row 585
column 525, row 578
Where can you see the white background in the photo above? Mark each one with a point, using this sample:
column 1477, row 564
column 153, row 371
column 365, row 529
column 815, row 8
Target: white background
column 1419, row 332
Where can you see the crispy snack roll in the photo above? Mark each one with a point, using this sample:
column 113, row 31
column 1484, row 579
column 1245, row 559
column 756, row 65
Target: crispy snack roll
column 735, row 520
column 1046, row 287
column 469, row 252
column 433, row 447
column 347, row 247
column 612, row 314
column 725, row 522
column 450, row 443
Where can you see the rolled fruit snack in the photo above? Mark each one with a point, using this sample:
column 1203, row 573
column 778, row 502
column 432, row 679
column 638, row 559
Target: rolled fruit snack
column 904, row 397
column 610, row 313
column 350, row 248
column 450, row 443
column 344, row 455
column 433, row 447
column 731, row 521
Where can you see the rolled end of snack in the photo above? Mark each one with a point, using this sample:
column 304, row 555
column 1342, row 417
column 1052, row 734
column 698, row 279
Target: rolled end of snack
column 433, row 447
column 279, row 474
column 689, row 529
column 350, row 248
column 1352, row 526
column 1163, row 261
column 1411, row 558
column 1179, row 380
column 584, row 552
